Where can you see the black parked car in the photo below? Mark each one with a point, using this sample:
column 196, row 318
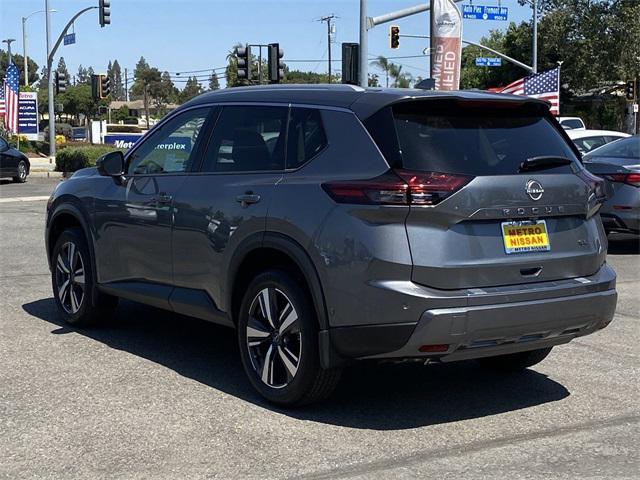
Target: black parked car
column 333, row 224
column 13, row 163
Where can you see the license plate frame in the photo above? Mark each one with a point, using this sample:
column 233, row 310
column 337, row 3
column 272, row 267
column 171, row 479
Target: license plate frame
column 538, row 239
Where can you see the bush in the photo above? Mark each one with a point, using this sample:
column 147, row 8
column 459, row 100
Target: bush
column 74, row 158
column 131, row 121
column 123, row 129
column 61, row 129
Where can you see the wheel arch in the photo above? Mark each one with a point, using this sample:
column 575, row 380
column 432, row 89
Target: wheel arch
column 272, row 250
column 63, row 217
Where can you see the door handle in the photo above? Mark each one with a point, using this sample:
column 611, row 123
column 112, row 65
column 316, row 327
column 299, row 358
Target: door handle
column 248, row 198
column 163, row 198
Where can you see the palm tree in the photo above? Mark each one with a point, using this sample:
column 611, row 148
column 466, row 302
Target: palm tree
column 383, row 64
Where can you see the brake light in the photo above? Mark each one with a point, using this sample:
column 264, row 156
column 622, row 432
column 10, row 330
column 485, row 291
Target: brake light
column 628, row 178
column 398, row 187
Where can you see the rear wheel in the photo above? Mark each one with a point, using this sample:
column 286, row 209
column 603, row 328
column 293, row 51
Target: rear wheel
column 278, row 339
column 73, row 282
column 21, row 177
column 515, row 362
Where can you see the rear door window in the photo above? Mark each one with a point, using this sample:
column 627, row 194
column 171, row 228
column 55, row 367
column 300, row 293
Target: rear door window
column 247, row 138
column 475, row 141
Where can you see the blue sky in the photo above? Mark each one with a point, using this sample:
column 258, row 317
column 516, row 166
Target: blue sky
column 180, row 35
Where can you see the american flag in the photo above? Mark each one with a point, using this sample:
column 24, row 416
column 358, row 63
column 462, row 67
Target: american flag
column 2, row 108
column 11, row 95
column 545, row 86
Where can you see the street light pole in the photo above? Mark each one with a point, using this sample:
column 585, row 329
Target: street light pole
column 52, row 125
column 24, row 45
column 8, row 41
column 364, row 45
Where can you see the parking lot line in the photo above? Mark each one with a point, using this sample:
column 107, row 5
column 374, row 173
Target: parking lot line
column 23, row 199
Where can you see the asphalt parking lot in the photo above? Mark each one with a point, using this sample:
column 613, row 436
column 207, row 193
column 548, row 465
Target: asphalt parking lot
column 156, row 395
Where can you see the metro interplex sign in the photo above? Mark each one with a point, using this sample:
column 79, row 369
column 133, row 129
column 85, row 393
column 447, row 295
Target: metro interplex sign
column 446, row 44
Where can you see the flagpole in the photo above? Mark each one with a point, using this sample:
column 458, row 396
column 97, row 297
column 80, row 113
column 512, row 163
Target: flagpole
column 559, row 71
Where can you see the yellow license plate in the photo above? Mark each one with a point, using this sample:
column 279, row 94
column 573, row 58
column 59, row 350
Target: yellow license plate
column 522, row 237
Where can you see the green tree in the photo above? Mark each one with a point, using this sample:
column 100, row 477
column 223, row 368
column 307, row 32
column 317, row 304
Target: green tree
column 383, row 64
column 19, row 61
column 191, row 89
column 214, row 84
column 117, row 86
column 82, row 76
column 62, row 68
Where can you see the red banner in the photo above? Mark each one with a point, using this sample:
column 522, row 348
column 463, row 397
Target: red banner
column 446, row 44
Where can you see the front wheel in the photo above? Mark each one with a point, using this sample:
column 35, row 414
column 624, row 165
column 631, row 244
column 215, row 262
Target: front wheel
column 514, row 362
column 21, row 177
column 278, row 339
column 73, row 282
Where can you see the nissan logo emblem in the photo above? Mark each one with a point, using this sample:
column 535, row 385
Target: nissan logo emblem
column 534, row 190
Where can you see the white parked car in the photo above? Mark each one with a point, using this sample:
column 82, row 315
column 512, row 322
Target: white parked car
column 587, row 140
column 572, row 123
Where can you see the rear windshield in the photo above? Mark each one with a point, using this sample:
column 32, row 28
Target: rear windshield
column 572, row 123
column 625, row 148
column 474, row 141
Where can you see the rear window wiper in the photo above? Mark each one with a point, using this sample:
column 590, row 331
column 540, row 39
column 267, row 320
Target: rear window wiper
column 542, row 162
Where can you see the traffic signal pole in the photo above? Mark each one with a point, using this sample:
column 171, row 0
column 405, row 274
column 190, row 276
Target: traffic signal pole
column 50, row 55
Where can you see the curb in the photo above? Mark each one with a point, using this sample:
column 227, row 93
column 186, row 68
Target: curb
column 45, row 174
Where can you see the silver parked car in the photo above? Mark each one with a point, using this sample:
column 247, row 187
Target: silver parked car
column 336, row 224
column 619, row 164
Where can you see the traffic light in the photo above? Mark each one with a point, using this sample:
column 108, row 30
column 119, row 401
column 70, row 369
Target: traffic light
column 275, row 64
column 61, row 82
column 105, row 86
column 394, row 36
column 104, row 12
column 630, row 90
column 243, row 57
column 351, row 63
column 95, row 87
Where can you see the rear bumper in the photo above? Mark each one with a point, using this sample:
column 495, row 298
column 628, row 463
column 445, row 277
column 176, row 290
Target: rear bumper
column 490, row 322
column 625, row 221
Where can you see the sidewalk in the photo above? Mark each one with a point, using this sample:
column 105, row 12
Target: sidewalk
column 40, row 167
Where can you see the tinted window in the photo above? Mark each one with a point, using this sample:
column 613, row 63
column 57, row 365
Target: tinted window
column 247, row 138
column 306, row 136
column 589, row 143
column 475, row 141
column 625, row 148
column 171, row 148
column 575, row 123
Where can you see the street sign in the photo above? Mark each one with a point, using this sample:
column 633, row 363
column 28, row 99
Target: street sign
column 488, row 61
column 485, row 12
column 28, row 115
column 635, row 108
column 70, row 38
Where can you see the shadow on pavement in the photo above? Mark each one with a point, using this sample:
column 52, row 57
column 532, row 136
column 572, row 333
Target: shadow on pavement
column 624, row 245
column 378, row 397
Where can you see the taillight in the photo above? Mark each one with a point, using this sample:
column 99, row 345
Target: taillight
column 398, row 187
column 596, row 184
column 628, row 178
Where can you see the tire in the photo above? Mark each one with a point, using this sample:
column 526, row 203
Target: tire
column 515, row 362
column 76, row 297
column 293, row 375
column 22, row 173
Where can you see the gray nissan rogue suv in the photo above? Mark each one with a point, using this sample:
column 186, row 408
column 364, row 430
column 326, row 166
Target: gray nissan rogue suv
column 330, row 224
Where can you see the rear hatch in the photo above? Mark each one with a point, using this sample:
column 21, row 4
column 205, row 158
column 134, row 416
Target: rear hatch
column 497, row 195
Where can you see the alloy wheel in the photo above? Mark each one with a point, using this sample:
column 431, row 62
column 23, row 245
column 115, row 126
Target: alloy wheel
column 70, row 278
column 274, row 338
column 22, row 171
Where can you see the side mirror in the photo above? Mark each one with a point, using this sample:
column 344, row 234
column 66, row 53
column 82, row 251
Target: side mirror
column 111, row 164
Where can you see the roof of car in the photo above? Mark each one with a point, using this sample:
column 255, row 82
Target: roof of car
column 363, row 101
column 575, row 134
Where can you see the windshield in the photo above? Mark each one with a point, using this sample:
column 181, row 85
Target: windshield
column 491, row 141
column 572, row 123
column 624, row 148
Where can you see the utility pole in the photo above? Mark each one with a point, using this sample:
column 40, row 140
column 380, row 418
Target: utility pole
column 328, row 19
column 8, row 41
